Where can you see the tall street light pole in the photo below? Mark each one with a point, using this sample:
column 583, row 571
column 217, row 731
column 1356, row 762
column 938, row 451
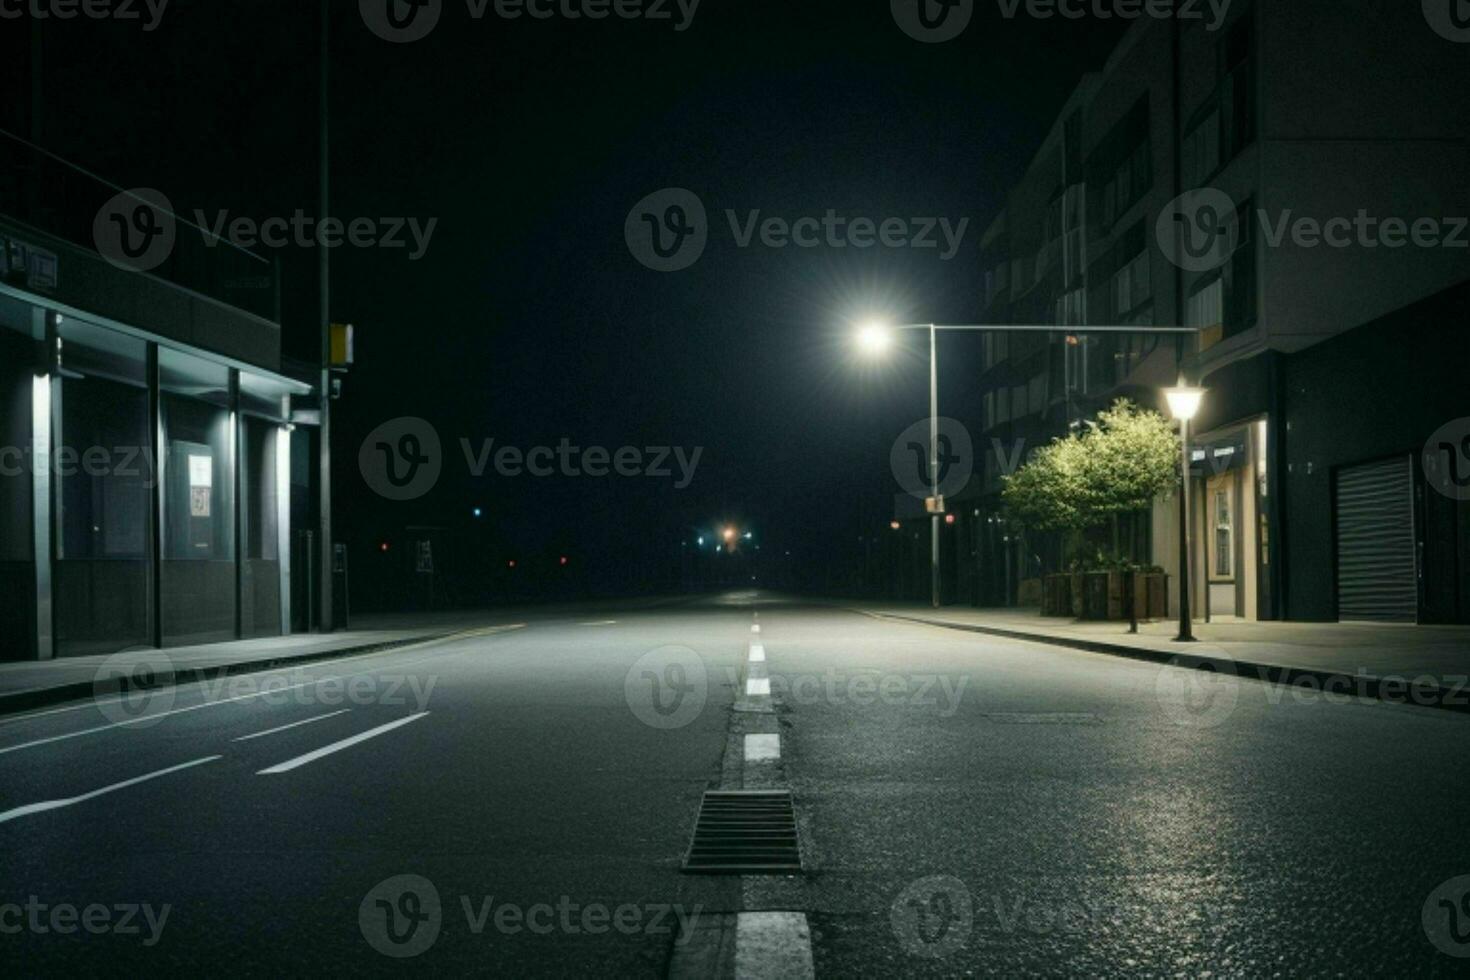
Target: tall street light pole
column 1184, row 405
column 876, row 337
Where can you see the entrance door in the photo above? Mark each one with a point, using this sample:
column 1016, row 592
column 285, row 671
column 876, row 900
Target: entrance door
column 1377, row 576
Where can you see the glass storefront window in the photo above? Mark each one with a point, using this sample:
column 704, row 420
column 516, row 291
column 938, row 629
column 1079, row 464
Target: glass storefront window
column 103, row 470
column 20, row 355
column 198, row 499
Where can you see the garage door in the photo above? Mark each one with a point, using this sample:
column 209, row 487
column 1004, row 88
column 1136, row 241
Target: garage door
column 1376, row 572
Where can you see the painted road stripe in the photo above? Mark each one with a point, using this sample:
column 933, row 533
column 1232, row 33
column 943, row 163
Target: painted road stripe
column 757, row 653
column 600, row 622
column 325, row 750
column 148, row 719
column 757, row 685
column 30, row 808
column 325, row 661
column 755, row 627
column 773, row 944
column 294, row 724
column 761, row 748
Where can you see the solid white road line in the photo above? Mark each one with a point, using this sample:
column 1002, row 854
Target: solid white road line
column 773, row 944
column 266, row 692
column 757, row 685
column 760, row 748
column 30, row 808
column 324, row 661
column 757, row 653
column 325, row 750
column 294, row 724
column 600, row 622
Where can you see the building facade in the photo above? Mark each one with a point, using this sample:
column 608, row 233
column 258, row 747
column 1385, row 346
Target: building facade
column 1291, row 185
column 149, row 444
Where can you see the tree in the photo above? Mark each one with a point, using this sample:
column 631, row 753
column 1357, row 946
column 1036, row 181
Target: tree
column 1116, row 465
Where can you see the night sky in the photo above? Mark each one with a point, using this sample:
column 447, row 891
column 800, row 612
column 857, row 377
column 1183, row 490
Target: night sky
column 528, row 319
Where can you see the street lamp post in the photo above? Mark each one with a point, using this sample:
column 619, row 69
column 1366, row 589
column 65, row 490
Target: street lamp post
column 1183, row 405
column 875, row 337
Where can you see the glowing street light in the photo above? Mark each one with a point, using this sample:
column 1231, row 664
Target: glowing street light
column 874, row 337
column 1184, row 404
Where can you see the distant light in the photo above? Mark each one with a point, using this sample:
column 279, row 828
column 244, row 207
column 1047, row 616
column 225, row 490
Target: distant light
column 874, row 337
column 729, row 534
column 564, row 559
column 383, row 546
column 949, row 518
column 478, row 512
column 701, row 540
column 511, row 563
column 747, row 535
column 895, row 525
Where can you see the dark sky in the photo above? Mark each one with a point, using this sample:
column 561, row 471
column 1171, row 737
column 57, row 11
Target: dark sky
column 528, row 320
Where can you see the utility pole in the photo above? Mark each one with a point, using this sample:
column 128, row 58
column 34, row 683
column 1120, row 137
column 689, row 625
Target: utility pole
column 327, row 621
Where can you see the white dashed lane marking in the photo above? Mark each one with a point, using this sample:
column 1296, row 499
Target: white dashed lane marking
column 756, row 686
column 345, row 743
column 760, row 748
column 30, row 808
column 294, row 724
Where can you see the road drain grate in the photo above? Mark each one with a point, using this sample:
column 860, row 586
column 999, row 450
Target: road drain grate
column 744, row 832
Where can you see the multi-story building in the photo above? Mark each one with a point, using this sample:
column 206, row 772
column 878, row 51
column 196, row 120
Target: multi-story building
column 149, row 449
column 1315, row 153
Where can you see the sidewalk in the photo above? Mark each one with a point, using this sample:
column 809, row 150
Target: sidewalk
column 1425, row 665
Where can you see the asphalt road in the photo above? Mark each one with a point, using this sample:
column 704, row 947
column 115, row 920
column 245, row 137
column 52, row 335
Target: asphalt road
column 967, row 805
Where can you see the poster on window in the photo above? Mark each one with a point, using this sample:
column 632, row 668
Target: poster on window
column 198, row 501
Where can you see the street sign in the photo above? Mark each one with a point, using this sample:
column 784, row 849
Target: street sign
column 934, row 505
column 342, row 345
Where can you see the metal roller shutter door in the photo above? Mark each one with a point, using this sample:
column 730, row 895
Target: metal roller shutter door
column 1376, row 570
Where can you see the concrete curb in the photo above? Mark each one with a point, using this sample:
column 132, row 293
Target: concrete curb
column 46, row 697
column 1388, row 690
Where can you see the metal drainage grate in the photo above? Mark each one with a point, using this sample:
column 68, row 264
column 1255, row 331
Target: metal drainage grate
column 744, row 832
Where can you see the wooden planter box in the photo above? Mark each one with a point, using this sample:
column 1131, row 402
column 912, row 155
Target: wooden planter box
column 1105, row 597
column 1056, row 595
